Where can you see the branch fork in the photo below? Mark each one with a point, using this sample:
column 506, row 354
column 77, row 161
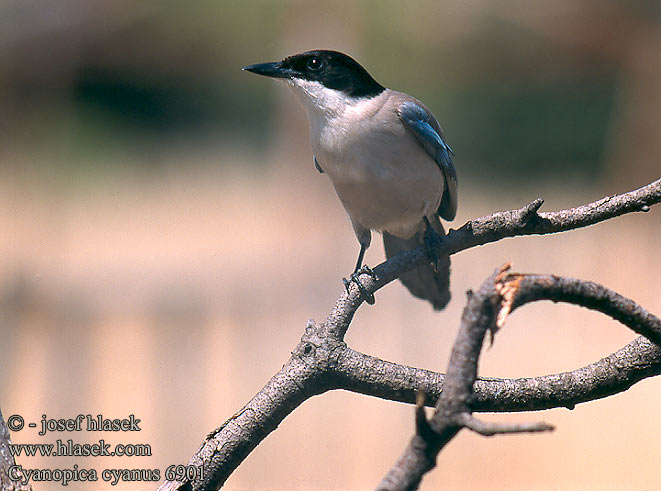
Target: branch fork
column 322, row 361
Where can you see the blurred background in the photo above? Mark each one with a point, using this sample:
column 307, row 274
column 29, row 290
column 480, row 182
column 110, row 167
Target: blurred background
column 166, row 237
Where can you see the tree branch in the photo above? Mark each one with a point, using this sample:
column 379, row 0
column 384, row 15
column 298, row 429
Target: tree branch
column 228, row 445
column 453, row 406
column 497, row 226
column 7, row 461
column 522, row 289
column 322, row 361
column 610, row 375
column 487, row 311
column 490, row 429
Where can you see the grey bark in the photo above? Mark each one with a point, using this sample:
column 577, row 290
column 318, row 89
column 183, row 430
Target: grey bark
column 322, row 361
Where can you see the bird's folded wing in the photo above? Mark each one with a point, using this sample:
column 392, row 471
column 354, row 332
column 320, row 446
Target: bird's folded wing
column 427, row 131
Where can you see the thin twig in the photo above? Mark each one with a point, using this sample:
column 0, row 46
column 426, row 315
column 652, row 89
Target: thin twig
column 485, row 428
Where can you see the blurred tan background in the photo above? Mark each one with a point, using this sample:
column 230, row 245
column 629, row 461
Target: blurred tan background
column 166, row 237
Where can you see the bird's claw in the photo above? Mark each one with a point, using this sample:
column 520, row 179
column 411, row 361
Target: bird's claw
column 355, row 278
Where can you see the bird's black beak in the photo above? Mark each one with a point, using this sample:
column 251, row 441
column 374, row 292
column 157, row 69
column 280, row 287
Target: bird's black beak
column 273, row 70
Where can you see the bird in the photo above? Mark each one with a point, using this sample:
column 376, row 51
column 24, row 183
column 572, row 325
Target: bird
column 386, row 157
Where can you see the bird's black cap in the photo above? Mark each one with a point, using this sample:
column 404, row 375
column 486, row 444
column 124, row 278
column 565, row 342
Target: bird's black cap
column 333, row 69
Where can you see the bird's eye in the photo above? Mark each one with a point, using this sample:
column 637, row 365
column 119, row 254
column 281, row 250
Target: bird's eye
column 314, row 64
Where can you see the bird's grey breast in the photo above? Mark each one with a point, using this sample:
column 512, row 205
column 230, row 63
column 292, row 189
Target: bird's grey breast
column 383, row 176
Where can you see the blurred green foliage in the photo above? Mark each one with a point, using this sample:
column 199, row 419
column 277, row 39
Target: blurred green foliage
column 549, row 131
column 514, row 100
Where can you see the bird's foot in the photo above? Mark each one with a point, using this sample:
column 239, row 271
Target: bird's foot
column 432, row 241
column 355, row 278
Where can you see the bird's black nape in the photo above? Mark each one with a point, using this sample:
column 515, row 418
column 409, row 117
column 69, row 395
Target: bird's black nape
column 334, row 70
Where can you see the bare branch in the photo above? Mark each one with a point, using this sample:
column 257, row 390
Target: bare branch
column 7, row 481
column 298, row 380
column 610, row 375
column 419, row 457
column 501, row 293
column 490, row 429
column 494, row 227
column 521, row 289
column 322, row 361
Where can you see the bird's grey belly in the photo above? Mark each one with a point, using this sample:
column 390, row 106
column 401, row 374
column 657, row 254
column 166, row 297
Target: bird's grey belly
column 387, row 191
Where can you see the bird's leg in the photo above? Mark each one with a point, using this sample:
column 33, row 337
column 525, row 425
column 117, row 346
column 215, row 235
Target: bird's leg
column 432, row 241
column 355, row 276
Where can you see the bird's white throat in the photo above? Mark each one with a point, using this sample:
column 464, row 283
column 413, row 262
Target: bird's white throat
column 317, row 98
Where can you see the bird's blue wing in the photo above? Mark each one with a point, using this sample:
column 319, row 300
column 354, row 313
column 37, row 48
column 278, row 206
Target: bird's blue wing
column 425, row 128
